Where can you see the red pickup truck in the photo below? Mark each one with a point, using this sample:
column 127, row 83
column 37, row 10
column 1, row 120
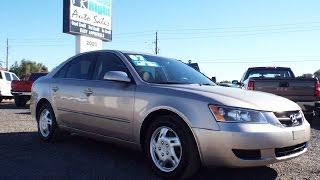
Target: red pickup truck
column 21, row 90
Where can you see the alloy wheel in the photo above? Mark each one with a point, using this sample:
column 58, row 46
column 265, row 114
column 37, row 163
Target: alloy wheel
column 45, row 123
column 165, row 149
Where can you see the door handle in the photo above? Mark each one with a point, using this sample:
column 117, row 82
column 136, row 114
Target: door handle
column 283, row 84
column 88, row 92
column 55, row 88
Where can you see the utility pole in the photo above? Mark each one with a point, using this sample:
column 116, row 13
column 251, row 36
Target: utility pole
column 7, row 57
column 156, row 42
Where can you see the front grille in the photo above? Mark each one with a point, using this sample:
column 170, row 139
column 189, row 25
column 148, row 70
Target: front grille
column 290, row 118
column 285, row 151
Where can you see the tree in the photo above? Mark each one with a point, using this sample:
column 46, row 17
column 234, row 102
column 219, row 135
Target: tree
column 317, row 74
column 26, row 67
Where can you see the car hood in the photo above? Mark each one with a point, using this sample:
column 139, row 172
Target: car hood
column 240, row 98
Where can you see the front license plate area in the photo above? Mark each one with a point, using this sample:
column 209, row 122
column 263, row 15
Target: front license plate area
column 298, row 134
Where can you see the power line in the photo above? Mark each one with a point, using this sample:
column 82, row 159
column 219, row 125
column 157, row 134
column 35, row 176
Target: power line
column 236, row 35
column 264, row 58
column 45, row 42
column 289, row 25
column 239, row 62
column 178, row 31
column 42, row 45
column 243, row 31
column 240, row 27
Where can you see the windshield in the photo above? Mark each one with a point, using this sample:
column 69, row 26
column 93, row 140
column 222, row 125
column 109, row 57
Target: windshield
column 159, row 70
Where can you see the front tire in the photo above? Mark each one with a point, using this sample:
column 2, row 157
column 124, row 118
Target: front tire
column 171, row 149
column 48, row 129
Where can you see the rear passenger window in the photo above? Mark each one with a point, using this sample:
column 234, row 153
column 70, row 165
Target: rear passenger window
column 62, row 72
column 108, row 62
column 80, row 67
column 8, row 76
column 14, row 77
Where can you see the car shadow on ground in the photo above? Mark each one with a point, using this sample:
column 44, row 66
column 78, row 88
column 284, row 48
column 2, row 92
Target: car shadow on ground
column 11, row 105
column 23, row 155
column 24, row 113
column 316, row 124
column 260, row 173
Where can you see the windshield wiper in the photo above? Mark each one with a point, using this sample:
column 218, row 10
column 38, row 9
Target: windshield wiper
column 205, row 84
column 173, row 82
column 170, row 82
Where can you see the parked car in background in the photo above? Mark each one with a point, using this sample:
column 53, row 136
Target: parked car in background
column 282, row 81
column 21, row 89
column 175, row 114
column 6, row 78
column 226, row 84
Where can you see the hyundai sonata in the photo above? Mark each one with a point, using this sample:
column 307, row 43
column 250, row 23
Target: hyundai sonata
column 173, row 113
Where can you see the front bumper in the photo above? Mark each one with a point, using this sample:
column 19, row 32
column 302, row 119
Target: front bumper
column 217, row 147
column 16, row 93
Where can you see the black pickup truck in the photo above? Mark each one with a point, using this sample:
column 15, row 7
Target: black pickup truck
column 281, row 81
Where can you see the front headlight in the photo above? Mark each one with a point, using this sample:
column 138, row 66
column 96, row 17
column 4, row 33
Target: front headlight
column 233, row 114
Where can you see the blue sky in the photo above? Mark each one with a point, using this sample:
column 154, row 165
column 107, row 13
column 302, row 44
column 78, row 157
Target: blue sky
column 225, row 37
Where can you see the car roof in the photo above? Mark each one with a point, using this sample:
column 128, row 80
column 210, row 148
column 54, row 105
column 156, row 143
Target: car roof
column 123, row 52
column 6, row 71
column 269, row 68
column 39, row 73
column 118, row 51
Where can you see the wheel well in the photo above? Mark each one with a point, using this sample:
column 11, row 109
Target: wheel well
column 151, row 117
column 40, row 104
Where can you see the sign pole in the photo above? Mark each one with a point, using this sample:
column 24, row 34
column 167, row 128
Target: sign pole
column 85, row 44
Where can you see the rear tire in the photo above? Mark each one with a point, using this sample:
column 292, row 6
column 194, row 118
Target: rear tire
column 48, row 129
column 171, row 149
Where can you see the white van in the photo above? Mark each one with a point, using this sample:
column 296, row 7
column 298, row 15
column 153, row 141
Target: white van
column 5, row 84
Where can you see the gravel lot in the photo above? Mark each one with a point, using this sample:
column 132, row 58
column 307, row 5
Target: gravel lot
column 23, row 155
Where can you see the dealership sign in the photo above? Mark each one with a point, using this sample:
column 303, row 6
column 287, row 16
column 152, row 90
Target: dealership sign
column 88, row 17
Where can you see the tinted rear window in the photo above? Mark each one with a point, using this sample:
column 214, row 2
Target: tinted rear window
column 8, row 77
column 14, row 77
column 269, row 73
column 80, row 68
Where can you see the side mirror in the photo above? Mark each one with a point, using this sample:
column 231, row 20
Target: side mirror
column 238, row 83
column 117, row 76
column 213, row 79
column 235, row 82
